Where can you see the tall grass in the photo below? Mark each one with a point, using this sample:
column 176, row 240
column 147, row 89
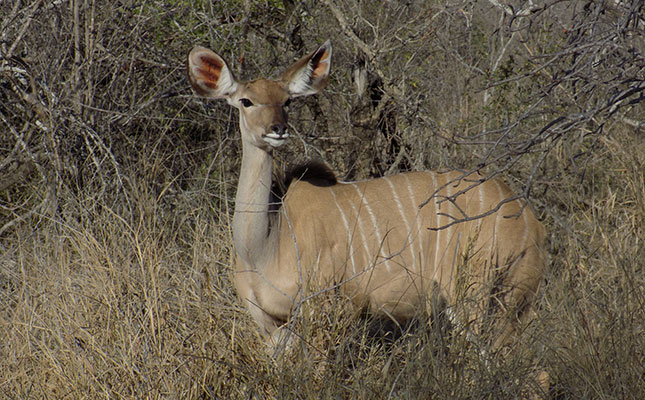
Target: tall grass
column 122, row 306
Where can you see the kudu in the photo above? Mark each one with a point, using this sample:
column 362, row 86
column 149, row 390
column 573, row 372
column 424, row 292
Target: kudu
column 371, row 239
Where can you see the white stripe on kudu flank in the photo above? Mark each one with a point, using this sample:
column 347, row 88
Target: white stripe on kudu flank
column 450, row 231
column 497, row 214
column 349, row 231
column 380, row 243
column 480, row 210
column 419, row 233
column 410, row 238
column 526, row 231
column 361, row 230
column 438, row 233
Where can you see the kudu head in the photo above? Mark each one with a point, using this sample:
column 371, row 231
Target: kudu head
column 262, row 102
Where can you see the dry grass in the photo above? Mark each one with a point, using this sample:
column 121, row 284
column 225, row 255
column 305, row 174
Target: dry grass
column 129, row 307
column 116, row 192
column 595, row 294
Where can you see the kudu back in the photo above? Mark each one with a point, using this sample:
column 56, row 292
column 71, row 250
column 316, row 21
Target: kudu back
column 390, row 244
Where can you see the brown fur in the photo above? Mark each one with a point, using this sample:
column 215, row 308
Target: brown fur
column 313, row 171
column 371, row 239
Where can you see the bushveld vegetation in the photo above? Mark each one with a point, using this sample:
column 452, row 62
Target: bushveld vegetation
column 116, row 189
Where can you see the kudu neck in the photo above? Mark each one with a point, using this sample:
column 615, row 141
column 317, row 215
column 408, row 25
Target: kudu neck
column 251, row 217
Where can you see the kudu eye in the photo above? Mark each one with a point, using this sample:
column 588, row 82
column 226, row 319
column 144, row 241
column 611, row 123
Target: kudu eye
column 246, row 102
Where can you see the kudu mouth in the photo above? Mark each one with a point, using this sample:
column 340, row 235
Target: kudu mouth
column 276, row 137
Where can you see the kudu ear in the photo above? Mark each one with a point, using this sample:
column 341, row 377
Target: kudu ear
column 209, row 75
column 309, row 74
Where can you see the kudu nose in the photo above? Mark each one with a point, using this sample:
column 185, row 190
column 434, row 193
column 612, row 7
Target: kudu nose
column 279, row 129
column 277, row 135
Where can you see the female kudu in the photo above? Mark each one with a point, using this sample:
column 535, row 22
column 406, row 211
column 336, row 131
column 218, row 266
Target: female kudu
column 379, row 241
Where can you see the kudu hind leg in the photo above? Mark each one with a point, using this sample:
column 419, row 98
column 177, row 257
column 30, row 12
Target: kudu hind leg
column 517, row 311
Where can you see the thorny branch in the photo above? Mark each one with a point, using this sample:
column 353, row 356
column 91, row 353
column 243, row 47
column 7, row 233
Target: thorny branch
column 597, row 74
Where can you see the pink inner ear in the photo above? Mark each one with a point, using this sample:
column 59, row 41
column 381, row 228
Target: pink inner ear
column 322, row 67
column 210, row 70
column 212, row 62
